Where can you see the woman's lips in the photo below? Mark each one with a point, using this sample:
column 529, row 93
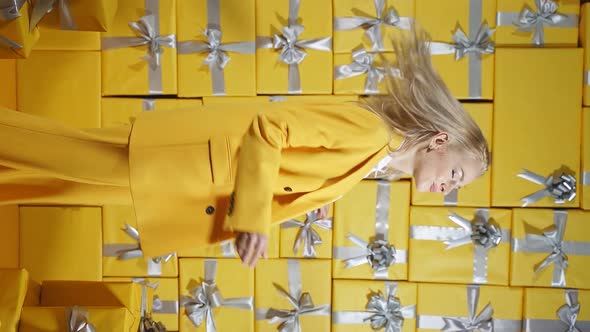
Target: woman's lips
column 432, row 188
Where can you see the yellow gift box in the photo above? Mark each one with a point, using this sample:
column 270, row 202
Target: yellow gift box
column 525, row 123
column 118, row 226
column 164, row 307
column 537, row 262
column 8, row 91
column 16, row 39
column 276, row 279
column 9, row 246
column 564, row 33
column 359, row 215
column 279, row 98
column 67, row 40
column 353, row 298
column 476, row 193
column 585, row 199
column 471, row 76
column 352, row 76
column 123, row 111
column 555, row 309
column 437, row 302
column 203, row 71
column 307, row 236
column 585, row 43
column 234, row 283
column 61, row 85
column 16, row 290
column 432, row 260
column 306, row 70
column 50, row 319
column 355, row 23
column 129, row 65
column 84, row 15
column 61, row 243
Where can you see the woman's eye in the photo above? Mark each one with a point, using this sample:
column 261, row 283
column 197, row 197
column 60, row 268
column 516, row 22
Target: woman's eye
column 452, row 174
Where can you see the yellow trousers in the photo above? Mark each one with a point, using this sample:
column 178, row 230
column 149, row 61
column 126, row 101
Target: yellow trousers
column 46, row 162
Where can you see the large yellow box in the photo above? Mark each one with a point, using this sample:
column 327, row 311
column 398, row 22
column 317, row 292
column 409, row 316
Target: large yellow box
column 233, row 281
column 54, row 319
column 14, row 285
column 9, row 228
column 123, row 111
column 351, row 16
column 531, row 248
column 67, row 40
column 130, row 67
column 472, row 76
column 476, row 193
column 352, row 76
column 585, row 183
column 351, row 298
column 315, row 69
column 317, row 237
column 526, row 122
column 61, row 243
column 551, row 309
column 118, row 241
column 86, row 15
column 565, row 34
column 438, row 301
column 308, row 276
column 432, row 261
column 8, row 91
column 61, row 85
column 372, row 210
column 585, row 43
column 234, row 19
column 16, row 39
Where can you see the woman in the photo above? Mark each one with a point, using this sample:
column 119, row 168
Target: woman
column 199, row 177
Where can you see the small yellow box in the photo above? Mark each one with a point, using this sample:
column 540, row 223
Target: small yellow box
column 16, row 39
column 8, row 91
column 9, row 246
column 123, row 111
column 54, row 319
column 542, row 307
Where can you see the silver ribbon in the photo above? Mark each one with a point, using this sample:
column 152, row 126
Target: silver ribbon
column 44, row 7
column 586, row 77
column 528, row 19
column 7, row 43
column 133, row 251
column 77, row 319
column 451, row 198
column 372, row 25
column 228, row 249
column 307, row 234
column 561, row 189
column 288, row 319
column 206, row 297
column 480, row 232
column 552, row 242
column 379, row 254
column 567, row 314
column 149, row 104
column 158, row 306
column 480, row 43
column 10, row 9
column 292, row 50
column 362, row 64
column 383, row 311
column 586, row 178
column 146, row 322
column 148, row 31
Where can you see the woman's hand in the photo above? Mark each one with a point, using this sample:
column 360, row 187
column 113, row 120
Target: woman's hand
column 323, row 211
column 250, row 247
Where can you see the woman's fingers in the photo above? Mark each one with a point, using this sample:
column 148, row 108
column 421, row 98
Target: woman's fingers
column 241, row 244
column 250, row 249
column 260, row 249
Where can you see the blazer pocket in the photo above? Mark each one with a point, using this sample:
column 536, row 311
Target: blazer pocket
column 221, row 163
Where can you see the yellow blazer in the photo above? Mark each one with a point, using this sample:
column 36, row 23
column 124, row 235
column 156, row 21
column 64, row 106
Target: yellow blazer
column 197, row 176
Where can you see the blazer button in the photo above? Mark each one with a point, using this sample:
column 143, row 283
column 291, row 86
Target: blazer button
column 209, row 210
column 288, row 189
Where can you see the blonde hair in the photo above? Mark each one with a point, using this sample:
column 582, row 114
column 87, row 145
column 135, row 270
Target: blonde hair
column 419, row 105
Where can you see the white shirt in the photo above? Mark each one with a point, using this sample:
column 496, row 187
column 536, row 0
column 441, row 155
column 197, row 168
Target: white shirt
column 379, row 169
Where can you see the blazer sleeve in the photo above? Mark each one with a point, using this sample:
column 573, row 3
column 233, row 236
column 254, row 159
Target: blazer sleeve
column 348, row 128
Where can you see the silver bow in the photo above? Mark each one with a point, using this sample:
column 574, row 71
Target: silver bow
column 482, row 322
column 44, row 7
column 362, row 64
column 546, row 15
column 551, row 241
column 561, row 189
column 387, row 311
column 379, row 254
column 480, row 232
column 10, row 9
column 480, row 44
column 307, row 234
column 569, row 312
column 146, row 322
column 372, row 25
column 77, row 319
column 147, row 33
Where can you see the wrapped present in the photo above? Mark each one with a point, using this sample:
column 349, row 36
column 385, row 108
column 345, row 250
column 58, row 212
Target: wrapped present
column 14, row 289
column 218, row 60
column 216, row 295
column 370, row 232
column 308, row 236
column 123, row 111
column 294, row 293
column 548, row 164
column 537, row 23
column 585, row 43
column 550, row 248
column 360, row 72
column 67, row 40
column 8, row 91
column 279, row 98
column 73, row 319
column 469, row 308
column 373, row 305
column 61, row 243
column 9, row 228
column 73, row 99
column 122, row 254
column 83, row 15
column 478, row 192
column 139, row 51
column 548, row 310
column 462, row 46
column 585, row 204
column 16, row 39
column 294, row 47
column 462, row 246
column 370, row 24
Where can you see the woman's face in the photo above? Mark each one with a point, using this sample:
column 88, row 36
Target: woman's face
column 442, row 169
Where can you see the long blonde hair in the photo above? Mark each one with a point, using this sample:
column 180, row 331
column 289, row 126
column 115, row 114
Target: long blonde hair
column 419, row 105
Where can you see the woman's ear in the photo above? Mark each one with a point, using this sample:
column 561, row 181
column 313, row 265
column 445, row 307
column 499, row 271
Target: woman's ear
column 438, row 141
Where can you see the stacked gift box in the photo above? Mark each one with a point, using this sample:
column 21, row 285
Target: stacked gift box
column 508, row 252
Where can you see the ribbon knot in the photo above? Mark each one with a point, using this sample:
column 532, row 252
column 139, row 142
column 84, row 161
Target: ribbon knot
column 288, row 319
column 77, row 319
column 552, row 240
column 387, row 312
column 569, row 312
column 561, row 188
column 480, row 44
column 482, row 322
column 291, row 52
column 480, row 232
column 307, row 233
column 216, row 56
column 546, row 15
column 44, row 7
column 362, row 64
column 145, row 29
